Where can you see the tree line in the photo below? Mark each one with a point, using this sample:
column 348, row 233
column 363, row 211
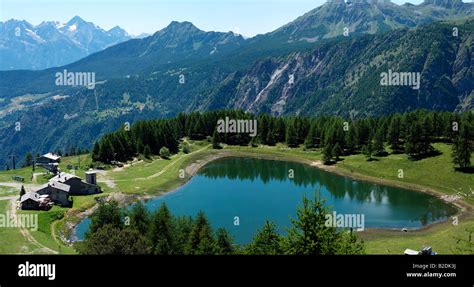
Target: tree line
column 139, row 231
column 412, row 133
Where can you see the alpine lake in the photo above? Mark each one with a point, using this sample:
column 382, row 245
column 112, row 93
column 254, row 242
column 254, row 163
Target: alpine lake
column 240, row 194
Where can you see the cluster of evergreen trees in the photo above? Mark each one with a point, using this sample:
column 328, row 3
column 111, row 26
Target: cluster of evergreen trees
column 138, row 231
column 149, row 137
column 412, row 133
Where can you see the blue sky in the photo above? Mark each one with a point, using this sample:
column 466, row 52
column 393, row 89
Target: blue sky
column 247, row 17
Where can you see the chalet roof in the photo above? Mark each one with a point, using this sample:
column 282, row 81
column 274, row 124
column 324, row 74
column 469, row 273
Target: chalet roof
column 29, row 195
column 62, row 177
column 60, row 186
column 54, row 184
column 51, row 156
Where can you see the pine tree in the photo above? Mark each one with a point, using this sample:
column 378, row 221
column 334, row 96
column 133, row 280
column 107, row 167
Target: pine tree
column 108, row 213
column 140, row 218
column 327, row 154
column 216, row 139
column 139, row 147
column 22, row 191
column 368, row 150
column 271, row 141
column 426, row 135
column 291, row 134
column 309, row 234
column 106, row 150
column 224, row 242
column 311, row 138
column 266, row 242
column 394, row 134
column 147, row 152
column 161, row 232
column 413, row 139
column 263, row 128
column 463, row 146
column 28, row 159
column 350, row 140
column 379, row 142
column 336, row 151
column 200, row 232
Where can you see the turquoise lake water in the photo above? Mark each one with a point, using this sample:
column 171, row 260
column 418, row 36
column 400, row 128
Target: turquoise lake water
column 256, row 190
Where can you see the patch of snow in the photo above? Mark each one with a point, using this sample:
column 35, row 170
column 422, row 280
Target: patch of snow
column 73, row 28
column 35, row 36
column 59, row 25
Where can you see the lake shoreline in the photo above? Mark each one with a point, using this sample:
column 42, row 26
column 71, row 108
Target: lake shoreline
column 464, row 209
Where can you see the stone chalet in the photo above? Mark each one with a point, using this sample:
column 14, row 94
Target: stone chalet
column 49, row 161
column 76, row 184
column 48, row 158
column 34, row 201
column 58, row 190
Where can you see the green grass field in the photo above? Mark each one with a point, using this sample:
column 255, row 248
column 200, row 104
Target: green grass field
column 11, row 240
column 156, row 176
column 44, row 233
column 7, row 190
column 435, row 172
column 7, row 175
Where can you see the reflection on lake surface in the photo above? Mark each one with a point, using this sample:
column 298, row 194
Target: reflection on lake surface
column 255, row 190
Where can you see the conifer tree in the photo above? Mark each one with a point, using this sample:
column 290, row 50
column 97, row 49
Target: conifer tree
column 394, row 133
column 147, row 152
column 463, row 146
column 266, row 241
column 379, row 143
column 216, row 140
column 310, row 141
column 161, row 232
column 291, row 134
column 22, row 191
column 224, row 242
column 327, row 154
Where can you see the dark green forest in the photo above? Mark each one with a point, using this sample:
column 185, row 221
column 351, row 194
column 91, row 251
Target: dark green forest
column 411, row 133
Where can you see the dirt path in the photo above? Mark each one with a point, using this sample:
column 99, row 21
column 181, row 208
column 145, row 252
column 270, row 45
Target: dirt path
column 166, row 168
column 18, row 185
column 8, row 197
column 35, row 176
column 174, row 163
column 41, row 248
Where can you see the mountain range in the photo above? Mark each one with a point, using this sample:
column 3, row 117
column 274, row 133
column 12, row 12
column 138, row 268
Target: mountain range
column 309, row 66
column 52, row 44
